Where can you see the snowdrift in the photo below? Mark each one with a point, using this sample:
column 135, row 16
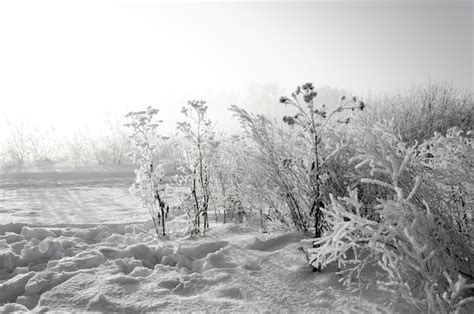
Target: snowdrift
column 124, row 268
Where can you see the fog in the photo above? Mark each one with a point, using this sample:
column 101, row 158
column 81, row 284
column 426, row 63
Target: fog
column 244, row 156
column 68, row 66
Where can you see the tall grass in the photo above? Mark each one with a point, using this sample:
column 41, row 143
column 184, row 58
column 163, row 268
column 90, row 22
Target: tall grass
column 423, row 110
column 397, row 188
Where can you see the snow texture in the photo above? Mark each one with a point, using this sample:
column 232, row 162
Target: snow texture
column 124, row 268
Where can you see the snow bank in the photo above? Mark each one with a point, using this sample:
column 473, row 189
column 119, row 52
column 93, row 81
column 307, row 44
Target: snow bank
column 125, row 269
column 59, row 254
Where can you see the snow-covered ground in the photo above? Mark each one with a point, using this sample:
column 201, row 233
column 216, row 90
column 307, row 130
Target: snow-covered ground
column 75, row 255
column 69, row 197
column 117, row 268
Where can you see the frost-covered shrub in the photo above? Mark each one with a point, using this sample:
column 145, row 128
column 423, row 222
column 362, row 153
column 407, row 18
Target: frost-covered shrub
column 26, row 146
column 446, row 163
column 196, row 160
column 313, row 123
column 147, row 141
column 228, row 178
column 267, row 146
column 421, row 254
column 298, row 160
column 421, row 111
column 117, row 141
column 242, row 187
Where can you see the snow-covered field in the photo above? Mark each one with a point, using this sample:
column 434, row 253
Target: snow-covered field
column 69, row 197
column 85, row 246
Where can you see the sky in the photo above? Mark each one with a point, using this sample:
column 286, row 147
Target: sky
column 67, row 64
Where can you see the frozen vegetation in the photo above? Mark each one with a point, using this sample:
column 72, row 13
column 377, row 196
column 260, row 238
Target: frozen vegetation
column 358, row 206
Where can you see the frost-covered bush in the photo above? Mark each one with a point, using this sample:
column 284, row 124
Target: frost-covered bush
column 27, row 147
column 267, row 146
column 196, row 160
column 298, row 160
column 419, row 250
column 117, row 141
column 241, row 186
column 446, row 163
column 147, row 141
column 228, row 178
column 313, row 123
column 421, row 111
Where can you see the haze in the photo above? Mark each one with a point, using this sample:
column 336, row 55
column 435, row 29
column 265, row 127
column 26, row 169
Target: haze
column 67, row 65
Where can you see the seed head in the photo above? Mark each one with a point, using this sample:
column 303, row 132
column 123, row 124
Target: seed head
column 308, row 87
column 284, row 100
column 289, row 120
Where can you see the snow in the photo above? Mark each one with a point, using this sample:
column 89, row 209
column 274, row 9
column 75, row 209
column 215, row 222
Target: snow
column 124, row 268
column 90, row 247
column 69, row 198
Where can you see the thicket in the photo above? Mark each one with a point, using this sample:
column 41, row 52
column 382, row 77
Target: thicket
column 385, row 187
column 409, row 207
column 296, row 160
column 421, row 239
column 421, row 111
column 27, row 148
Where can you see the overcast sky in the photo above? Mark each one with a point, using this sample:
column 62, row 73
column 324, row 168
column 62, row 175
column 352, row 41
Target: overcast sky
column 67, row 63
